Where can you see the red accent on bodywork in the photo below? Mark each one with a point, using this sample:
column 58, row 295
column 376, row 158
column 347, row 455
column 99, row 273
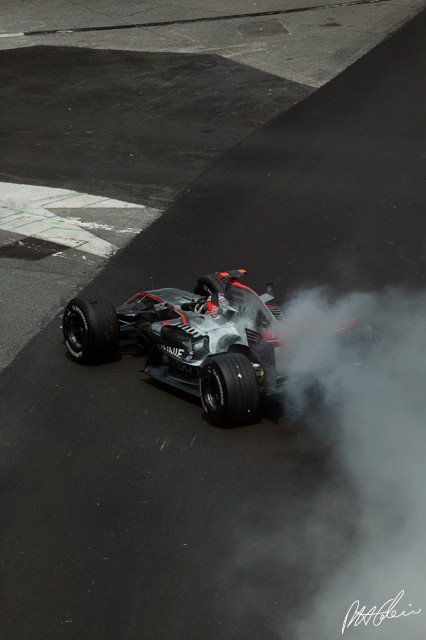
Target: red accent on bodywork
column 237, row 283
column 142, row 294
column 273, row 337
column 184, row 320
column 226, row 274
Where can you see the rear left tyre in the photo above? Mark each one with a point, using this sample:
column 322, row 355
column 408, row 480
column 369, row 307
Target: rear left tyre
column 229, row 390
column 91, row 329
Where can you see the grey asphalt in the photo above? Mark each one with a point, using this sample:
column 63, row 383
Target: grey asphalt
column 124, row 515
column 162, row 118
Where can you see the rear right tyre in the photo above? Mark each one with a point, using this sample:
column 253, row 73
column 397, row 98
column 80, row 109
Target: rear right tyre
column 206, row 285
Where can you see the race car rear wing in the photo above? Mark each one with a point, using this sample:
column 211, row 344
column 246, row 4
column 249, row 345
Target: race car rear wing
column 236, row 274
column 233, row 273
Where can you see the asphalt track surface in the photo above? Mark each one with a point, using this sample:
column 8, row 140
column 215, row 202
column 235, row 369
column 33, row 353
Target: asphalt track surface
column 124, row 515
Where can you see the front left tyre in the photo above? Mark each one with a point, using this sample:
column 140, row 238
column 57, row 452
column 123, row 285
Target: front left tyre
column 91, row 329
column 229, row 390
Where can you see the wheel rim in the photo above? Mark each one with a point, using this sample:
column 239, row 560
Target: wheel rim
column 213, row 391
column 75, row 330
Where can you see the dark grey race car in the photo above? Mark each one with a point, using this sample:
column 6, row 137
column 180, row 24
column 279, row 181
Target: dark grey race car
column 219, row 342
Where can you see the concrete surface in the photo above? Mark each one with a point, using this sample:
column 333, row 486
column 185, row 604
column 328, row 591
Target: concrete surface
column 307, row 46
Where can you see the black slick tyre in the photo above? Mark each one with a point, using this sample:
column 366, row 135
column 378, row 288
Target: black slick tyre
column 229, row 390
column 206, row 285
column 91, row 330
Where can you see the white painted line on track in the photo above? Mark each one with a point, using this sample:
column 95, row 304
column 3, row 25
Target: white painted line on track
column 27, row 210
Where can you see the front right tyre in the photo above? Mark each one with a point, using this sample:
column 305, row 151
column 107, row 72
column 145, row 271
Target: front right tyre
column 229, row 390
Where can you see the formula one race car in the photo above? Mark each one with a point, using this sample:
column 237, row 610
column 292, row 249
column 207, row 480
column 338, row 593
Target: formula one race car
column 222, row 342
